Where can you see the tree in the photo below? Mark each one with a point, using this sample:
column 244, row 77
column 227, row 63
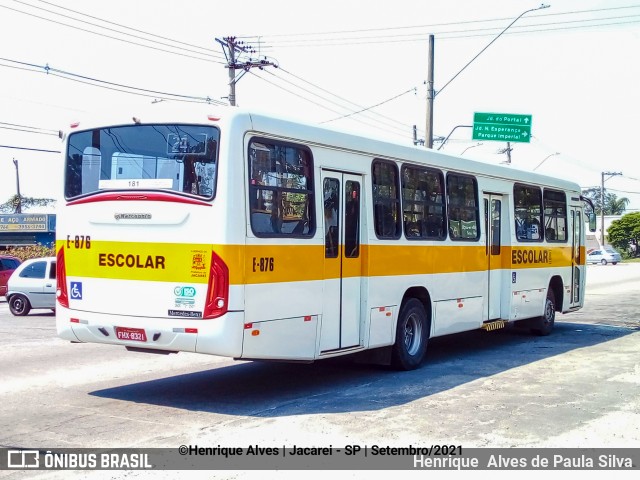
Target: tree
column 612, row 204
column 25, row 252
column 27, row 202
column 624, row 234
column 617, row 206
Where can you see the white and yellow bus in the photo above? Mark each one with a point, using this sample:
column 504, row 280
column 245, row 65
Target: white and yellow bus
column 240, row 234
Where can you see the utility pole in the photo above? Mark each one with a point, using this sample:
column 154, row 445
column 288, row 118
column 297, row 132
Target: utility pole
column 430, row 94
column 231, row 61
column 231, row 46
column 19, row 197
column 507, row 150
column 611, row 174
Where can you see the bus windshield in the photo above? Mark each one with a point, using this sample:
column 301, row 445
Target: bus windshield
column 179, row 158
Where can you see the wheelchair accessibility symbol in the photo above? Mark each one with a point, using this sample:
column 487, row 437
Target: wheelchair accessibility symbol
column 76, row 290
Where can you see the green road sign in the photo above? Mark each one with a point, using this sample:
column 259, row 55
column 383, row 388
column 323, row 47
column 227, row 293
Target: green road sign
column 502, row 127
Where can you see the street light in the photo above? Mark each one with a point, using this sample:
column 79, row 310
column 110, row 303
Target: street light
column 472, row 146
column 431, row 93
column 545, row 159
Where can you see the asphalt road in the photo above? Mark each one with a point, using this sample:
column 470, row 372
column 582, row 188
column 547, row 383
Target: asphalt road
column 579, row 387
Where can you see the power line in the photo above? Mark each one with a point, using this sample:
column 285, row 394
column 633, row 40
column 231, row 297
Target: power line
column 27, row 131
column 292, row 93
column 623, row 191
column 30, row 149
column 150, row 93
column 207, row 50
column 631, row 178
column 430, row 26
column 446, row 34
column 454, row 34
column 188, row 98
column 343, row 99
column 389, row 126
column 46, row 69
column 373, row 106
column 376, row 126
column 44, row 130
column 424, row 37
column 339, row 105
column 112, row 37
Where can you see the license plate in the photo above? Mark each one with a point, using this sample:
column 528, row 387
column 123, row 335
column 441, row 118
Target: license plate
column 131, row 334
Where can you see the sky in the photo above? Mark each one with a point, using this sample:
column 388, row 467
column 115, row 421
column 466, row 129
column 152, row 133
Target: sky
column 357, row 65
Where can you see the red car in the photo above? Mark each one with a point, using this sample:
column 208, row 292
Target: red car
column 7, row 265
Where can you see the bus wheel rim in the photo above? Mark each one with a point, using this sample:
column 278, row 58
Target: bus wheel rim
column 412, row 334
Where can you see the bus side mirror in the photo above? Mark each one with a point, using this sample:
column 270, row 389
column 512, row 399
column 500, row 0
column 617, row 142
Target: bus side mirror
column 592, row 221
column 590, row 212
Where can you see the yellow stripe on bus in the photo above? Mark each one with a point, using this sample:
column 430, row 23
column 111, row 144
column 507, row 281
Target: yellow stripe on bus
column 257, row 264
column 416, row 259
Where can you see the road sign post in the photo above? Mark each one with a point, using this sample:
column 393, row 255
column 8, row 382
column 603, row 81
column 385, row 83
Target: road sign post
column 502, row 127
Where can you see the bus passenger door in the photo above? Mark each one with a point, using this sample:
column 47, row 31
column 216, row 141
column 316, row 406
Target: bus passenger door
column 578, row 260
column 493, row 248
column 340, row 327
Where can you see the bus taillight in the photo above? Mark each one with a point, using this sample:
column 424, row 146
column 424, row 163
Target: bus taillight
column 61, row 276
column 218, row 289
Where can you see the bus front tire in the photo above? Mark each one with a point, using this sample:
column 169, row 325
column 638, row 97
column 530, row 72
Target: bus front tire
column 544, row 324
column 412, row 336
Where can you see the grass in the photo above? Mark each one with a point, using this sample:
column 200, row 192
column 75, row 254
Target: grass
column 631, row 260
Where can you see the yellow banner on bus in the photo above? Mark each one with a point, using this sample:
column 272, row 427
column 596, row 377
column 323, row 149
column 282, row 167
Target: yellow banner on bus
column 162, row 262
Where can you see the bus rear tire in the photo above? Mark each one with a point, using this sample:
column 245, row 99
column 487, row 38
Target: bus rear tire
column 544, row 324
column 412, row 336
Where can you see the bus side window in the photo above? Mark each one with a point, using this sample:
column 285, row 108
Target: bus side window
column 464, row 219
column 528, row 213
column 331, row 193
column 280, row 189
column 386, row 199
column 422, row 202
column 352, row 220
column 555, row 215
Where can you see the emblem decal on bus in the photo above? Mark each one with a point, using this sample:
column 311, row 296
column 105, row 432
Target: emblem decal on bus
column 76, row 290
column 184, row 291
column 184, row 313
column 198, row 264
column 132, row 216
column 184, row 297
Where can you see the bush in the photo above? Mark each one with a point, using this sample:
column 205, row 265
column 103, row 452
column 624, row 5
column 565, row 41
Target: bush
column 31, row 251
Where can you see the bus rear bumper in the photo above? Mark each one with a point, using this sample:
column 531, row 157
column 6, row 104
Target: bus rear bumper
column 219, row 336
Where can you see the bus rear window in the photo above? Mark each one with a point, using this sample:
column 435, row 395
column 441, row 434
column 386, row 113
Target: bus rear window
column 179, row 158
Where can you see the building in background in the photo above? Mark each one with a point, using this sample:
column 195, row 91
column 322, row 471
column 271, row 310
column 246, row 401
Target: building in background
column 27, row 229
